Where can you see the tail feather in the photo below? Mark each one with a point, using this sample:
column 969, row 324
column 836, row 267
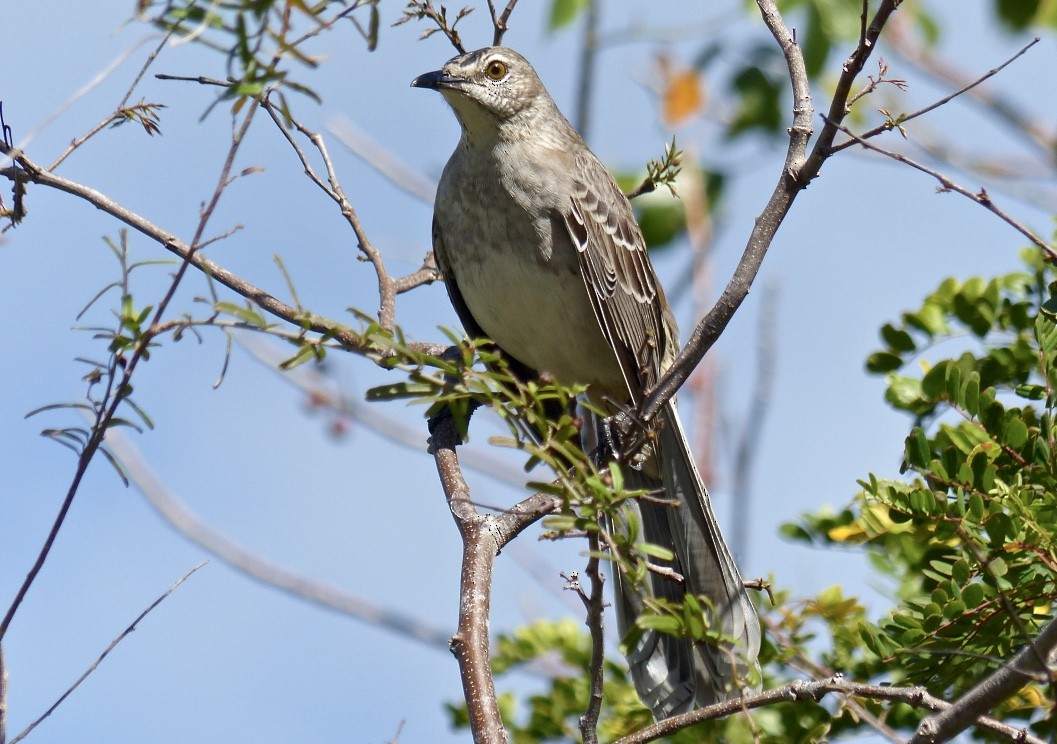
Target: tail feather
column 671, row 673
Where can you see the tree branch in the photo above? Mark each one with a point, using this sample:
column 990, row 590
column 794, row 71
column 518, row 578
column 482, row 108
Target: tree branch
column 792, row 180
column 894, row 123
column 595, row 605
column 801, row 690
column 1029, row 665
column 981, row 197
column 499, row 23
column 470, row 642
column 124, row 366
column 30, row 171
column 388, row 288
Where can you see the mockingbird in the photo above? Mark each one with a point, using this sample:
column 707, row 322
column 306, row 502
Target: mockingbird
column 541, row 253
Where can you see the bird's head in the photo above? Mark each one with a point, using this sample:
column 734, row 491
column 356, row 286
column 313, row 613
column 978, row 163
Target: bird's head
column 488, row 88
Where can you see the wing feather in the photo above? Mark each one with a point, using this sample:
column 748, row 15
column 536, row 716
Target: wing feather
column 626, row 297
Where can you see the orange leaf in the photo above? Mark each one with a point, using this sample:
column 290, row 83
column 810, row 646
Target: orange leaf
column 682, row 97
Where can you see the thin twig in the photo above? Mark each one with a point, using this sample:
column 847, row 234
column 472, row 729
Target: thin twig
column 594, row 604
column 3, row 697
column 87, row 88
column 388, row 288
column 588, row 56
column 500, row 23
column 995, row 102
column 899, row 121
column 38, row 174
column 117, row 114
column 118, row 389
column 811, row 668
column 981, row 197
column 113, row 644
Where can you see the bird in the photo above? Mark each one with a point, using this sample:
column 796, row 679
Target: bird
column 541, row 254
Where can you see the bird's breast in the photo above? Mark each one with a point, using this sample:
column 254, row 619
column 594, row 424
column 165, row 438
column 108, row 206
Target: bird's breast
column 519, row 275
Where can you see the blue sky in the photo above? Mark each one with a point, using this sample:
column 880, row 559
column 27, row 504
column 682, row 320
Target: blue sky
column 225, row 659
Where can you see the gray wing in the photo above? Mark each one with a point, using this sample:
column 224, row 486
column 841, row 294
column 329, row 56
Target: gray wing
column 670, row 673
column 625, row 295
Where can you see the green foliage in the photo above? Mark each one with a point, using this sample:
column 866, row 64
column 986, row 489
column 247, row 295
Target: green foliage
column 564, row 12
column 970, row 538
column 662, row 216
column 1018, row 15
column 966, row 541
column 258, row 38
column 108, row 387
column 757, row 90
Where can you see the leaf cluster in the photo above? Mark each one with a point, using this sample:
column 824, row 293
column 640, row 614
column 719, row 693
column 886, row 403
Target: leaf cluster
column 257, row 37
column 969, row 535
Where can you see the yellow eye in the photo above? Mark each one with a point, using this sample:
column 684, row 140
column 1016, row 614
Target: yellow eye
column 496, row 70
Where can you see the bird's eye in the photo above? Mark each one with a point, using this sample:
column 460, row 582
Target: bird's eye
column 496, row 70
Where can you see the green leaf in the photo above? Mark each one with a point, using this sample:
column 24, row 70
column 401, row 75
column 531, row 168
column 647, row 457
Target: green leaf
column 1017, row 14
column 1031, row 392
column 917, row 447
column 1046, row 334
column 663, row 623
column 655, row 551
column 897, row 338
column 564, row 12
column 883, row 361
column 970, row 395
column 1015, row 433
column 933, row 384
column 998, row 567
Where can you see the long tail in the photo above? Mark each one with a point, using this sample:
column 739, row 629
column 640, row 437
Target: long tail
column 672, row 673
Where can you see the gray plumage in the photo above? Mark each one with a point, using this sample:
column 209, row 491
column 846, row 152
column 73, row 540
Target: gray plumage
column 541, row 253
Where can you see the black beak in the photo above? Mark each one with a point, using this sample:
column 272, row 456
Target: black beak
column 428, row 80
column 434, row 80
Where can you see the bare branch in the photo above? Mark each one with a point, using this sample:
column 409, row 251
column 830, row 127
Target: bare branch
column 181, row 518
column 839, row 107
column 388, row 288
column 87, row 88
column 499, row 23
column 1041, row 138
column 792, row 180
column 902, row 119
column 1028, row 665
column 113, row 644
column 981, row 197
column 419, row 9
column 470, row 642
column 800, row 690
column 3, row 697
column 34, row 173
column 118, row 111
column 118, row 385
column 594, row 604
